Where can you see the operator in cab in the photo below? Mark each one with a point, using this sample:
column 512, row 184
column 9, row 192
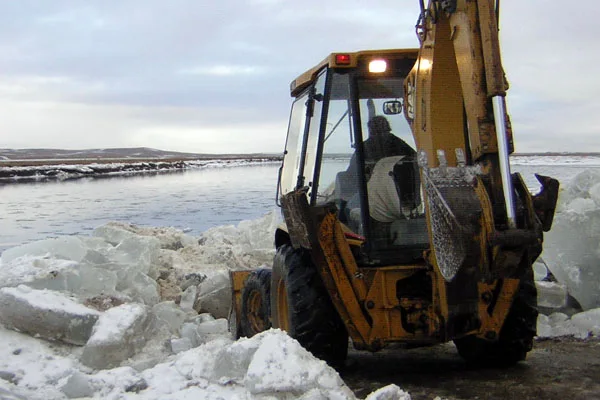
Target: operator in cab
column 392, row 181
column 381, row 143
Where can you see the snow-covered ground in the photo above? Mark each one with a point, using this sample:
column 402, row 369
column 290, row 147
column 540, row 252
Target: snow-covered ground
column 133, row 312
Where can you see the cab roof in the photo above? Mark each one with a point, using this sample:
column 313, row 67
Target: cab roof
column 346, row 61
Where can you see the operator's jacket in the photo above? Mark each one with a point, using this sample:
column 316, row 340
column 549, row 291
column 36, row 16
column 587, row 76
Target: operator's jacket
column 381, row 146
column 404, row 176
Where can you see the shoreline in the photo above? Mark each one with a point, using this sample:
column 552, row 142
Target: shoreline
column 25, row 171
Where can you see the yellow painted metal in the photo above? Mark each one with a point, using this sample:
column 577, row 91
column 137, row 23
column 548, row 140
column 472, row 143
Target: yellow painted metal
column 341, row 272
column 309, row 76
column 494, row 74
column 436, row 97
column 493, row 319
column 237, row 279
column 487, row 227
column 385, row 308
column 257, row 321
column 283, row 313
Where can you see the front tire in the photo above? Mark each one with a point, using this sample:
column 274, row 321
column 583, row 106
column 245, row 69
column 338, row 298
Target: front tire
column 301, row 306
column 516, row 335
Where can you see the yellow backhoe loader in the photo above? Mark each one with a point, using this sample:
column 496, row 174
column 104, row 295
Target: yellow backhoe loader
column 403, row 221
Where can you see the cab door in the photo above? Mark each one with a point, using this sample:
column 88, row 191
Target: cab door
column 304, row 129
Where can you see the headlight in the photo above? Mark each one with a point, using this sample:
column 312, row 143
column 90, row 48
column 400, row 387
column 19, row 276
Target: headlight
column 377, row 66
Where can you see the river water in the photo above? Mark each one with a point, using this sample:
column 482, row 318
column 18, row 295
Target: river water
column 193, row 200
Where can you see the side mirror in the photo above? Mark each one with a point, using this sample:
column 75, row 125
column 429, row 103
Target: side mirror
column 392, row 107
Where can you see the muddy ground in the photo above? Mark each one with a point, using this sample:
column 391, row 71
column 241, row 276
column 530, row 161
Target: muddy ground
column 555, row 369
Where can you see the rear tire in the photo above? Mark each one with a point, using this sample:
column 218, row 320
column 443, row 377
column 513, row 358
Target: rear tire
column 516, row 335
column 256, row 303
column 301, row 306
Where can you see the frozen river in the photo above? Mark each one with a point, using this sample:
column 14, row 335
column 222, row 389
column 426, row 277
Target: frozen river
column 194, row 200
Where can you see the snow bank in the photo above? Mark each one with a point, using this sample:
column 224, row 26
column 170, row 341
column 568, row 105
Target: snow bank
column 269, row 365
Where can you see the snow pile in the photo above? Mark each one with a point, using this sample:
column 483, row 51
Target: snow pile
column 572, row 247
column 137, row 312
column 269, row 365
column 581, row 325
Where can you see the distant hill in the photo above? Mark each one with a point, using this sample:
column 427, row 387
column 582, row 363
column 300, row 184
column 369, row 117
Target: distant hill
column 110, row 153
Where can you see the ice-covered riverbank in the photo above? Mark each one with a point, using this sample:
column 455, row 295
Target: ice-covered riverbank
column 58, row 171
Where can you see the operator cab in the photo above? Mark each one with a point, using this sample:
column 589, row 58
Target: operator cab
column 349, row 145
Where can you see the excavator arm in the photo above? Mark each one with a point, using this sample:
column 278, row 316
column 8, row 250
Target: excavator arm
column 457, row 111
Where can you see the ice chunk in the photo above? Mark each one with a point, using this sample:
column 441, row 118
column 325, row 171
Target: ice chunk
column 141, row 251
column 169, row 237
column 281, row 364
column 112, row 233
column 571, row 247
column 540, row 271
column 581, row 205
column 204, row 317
column 26, row 269
column 551, row 294
column 80, row 279
column 215, row 294
column 10, row 395
column 210, row 330
column 48, row 314
column 389, row 392
column 232, row 362
column 134, row 283
column 558, row 324
column 63, row 247
column 179, row 345
column 77, row 385
column 169, row 314
column 188, row 299
column 118, row 334
column 189, row 330
column 144, row 289
column 581, row 184
column 595, row 193
column 588, row 321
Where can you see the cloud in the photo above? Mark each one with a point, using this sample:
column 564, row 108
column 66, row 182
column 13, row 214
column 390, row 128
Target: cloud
column 191, row 72
column 224, row 70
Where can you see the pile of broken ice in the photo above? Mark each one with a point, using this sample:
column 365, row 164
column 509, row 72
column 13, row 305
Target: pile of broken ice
column 572, row 258
column 141, row 312
column 134, row 311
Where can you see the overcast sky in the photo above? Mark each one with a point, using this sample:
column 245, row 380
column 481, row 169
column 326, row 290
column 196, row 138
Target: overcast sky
column 213, row 76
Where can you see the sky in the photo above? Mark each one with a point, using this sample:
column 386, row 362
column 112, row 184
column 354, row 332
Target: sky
column 213, row 76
